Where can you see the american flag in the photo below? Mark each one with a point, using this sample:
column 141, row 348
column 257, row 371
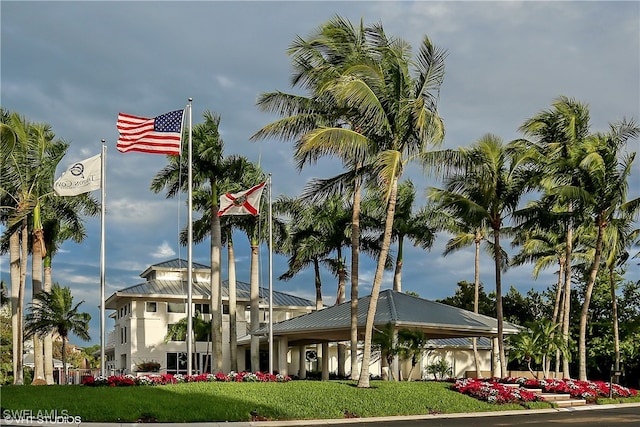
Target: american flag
column 158, row 135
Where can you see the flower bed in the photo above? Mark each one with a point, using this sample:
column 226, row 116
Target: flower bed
column 163, row 379
column 589, row 390
column 493, row 391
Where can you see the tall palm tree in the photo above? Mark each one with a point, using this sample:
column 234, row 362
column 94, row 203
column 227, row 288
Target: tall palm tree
column 399, row 113
column 487, row 189
column 246, row 175
column 619, row 236
column 29, row 159
column 605, row 170
column 56, row 313
column 317, row 62
column 559, row 131
column 466, row 233
column 208, row 168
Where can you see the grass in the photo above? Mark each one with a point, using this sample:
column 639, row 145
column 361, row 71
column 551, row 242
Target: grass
column 220, row 401
column 213, row 401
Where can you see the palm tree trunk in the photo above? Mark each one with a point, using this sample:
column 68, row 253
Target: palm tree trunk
column 355, row 265
column 556, row 309
column 499, row 312
column 342, row 348
column 23, row 280
column 582, row 341
column 397, row 276
column 567, row 293
column 476, row 297
column 63, row 375
column 363, row 381
column 16, row 307
column 48, row 339
column 215, row 286
column 233, row 321
column 37, row 247
column 614, row 313
column 254, row 308
column 318, row 283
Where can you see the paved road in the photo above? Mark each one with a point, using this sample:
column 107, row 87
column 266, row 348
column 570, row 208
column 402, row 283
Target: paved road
column 618, row 416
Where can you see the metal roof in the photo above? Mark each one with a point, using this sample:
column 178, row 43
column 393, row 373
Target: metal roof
column 482, row 343
column 437, row 320
column 178, row 264
column 201, row 290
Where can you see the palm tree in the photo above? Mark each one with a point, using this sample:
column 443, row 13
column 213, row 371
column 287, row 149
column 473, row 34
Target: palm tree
column 62, row 221
column 29, row 159
column 537, row 344
column 466, row 233
column 619, row 236
column 487, row 189
column 208, row 168
column 318, row 62
column 384, row 340
column 398, row 114
column 411, row 345
column 56, row 313
column 558, row 132
column 606, row 171
column 367, row 110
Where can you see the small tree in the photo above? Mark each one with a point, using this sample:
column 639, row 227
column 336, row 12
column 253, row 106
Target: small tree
column 411, row 345
column 538, row 344
column 440, row 369
column 54, row 312
column 384, row 340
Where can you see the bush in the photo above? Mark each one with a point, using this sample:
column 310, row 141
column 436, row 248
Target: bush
column 148, row 366
column 440, row 369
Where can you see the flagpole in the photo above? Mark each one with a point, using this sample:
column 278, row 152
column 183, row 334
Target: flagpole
column 270, row 282
column 103, row 181
column 190, row 254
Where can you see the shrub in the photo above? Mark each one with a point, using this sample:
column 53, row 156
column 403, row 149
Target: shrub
column 148, row 366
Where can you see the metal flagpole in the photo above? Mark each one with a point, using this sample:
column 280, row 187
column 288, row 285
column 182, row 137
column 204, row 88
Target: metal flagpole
column 103, row 181
column 270, row 283
column 190, row 256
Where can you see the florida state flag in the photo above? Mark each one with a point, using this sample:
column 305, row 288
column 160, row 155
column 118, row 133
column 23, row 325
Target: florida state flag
column 243, row 203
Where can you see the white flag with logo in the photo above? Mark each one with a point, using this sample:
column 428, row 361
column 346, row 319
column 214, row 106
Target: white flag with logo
column 243, row 203
column 81, row 177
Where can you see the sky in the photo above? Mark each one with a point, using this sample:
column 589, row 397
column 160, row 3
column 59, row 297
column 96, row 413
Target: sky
column 75, row 65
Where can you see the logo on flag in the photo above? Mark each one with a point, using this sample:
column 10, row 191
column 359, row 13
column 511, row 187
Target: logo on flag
column 81, row 177
column 243, row 203
column 158, row 135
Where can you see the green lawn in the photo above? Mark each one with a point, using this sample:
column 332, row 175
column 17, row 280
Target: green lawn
column 218, row 401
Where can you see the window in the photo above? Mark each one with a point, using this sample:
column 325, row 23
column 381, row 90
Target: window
column 151, row 307
column 177, row 363
column 123, row 335
column 225, row 308
column 175, row 307
column 202, row 309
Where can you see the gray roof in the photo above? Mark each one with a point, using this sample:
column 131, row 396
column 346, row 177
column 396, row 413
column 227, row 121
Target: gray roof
column 200, row 290
column 437, row 320
column 178, row 264
column 482, row 343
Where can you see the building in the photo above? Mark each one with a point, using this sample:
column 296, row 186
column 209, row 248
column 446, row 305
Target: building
column 144, row 315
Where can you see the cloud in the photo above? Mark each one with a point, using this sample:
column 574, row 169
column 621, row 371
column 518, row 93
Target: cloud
column 164, row 251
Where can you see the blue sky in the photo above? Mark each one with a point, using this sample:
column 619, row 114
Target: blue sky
column 76, row 65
